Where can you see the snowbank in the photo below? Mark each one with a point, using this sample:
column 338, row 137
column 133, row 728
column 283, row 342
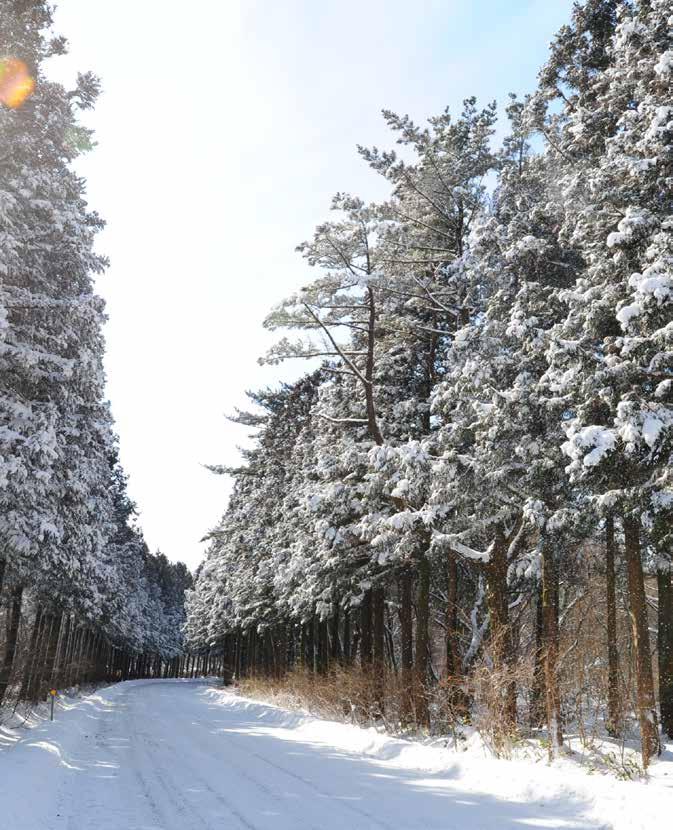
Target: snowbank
column 609, row 803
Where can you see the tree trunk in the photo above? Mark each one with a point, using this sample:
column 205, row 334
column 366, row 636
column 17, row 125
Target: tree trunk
column 33, row 689
column 31, row 658
column 62, row 654
column 390, row 645
column 647, row 714
column 614, row 723
column 500, row 634
column 72, row 668
column 422, row 642
column 283, row 655
column 252, row 652
column 346, row 643
column 322, row 650
column 452, row 652
column 242, row 655
column 90, row 663
column 665, row 650
column 302, row 646
column 406, row 646
column 551, row 643
column 366, row 653
column 335, row 644
column 310, row 645
column 70, row 651
column 378, row 618
column 80, row 666
column 538, row 692
column 12, row 637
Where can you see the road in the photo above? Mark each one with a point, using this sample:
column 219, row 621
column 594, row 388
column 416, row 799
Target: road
column 171, row 755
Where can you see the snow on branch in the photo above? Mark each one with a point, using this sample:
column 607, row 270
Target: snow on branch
column 451, row 541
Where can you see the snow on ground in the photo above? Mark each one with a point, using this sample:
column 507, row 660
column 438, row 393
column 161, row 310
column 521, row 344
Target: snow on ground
column 182, row 755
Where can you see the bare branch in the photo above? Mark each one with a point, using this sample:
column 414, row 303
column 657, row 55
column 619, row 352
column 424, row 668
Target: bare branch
column 342, row 354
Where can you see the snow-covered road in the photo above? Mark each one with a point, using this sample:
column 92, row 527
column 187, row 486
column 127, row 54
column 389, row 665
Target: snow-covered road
column 171, row 755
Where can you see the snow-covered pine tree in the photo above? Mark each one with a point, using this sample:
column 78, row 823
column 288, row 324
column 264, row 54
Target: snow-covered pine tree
column 59, row 494
column 611, row 356
column 438, row 190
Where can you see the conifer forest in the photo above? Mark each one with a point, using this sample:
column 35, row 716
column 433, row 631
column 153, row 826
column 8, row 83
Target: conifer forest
column 453, row 517
column 83, row 598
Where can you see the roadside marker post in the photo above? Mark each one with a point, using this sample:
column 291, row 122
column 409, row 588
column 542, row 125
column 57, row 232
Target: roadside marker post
column 52, row 695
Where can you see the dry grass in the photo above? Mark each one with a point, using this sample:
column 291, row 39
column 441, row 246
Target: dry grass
column 344, row 694
column 352, row 696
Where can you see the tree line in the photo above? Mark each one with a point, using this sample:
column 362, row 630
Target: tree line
column 462, row 511
column 81, row 596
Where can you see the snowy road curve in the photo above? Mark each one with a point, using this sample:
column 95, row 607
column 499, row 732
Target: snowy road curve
column 170, row 755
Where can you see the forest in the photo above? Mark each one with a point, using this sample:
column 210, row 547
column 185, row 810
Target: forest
column 82, row 597
column 457, row 513
column 461, row 512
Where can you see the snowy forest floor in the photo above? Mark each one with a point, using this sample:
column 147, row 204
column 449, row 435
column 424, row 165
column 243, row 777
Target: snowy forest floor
column 182, row 755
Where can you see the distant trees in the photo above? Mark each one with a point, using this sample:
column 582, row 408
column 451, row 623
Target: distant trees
column 81, row 595
column 471, row 497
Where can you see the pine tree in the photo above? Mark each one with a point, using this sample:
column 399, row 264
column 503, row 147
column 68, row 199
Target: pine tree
column 609, row 355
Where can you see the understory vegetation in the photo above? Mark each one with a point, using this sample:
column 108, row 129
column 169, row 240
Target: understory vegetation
column 461, row 513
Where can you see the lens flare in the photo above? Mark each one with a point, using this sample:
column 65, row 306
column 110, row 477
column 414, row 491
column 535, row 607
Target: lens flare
column 16, row 83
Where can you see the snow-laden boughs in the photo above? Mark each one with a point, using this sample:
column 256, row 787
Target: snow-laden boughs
column 68, row 543
column 492, row 420
column 613, row 350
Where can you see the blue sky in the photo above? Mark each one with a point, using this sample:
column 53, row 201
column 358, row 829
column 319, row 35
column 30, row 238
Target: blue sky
column 223, row 131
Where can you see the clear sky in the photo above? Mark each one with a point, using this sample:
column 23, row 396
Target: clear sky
column 224, row 128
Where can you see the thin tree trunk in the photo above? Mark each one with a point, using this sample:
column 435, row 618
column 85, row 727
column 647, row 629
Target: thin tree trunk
column 452, row 651
column 62, row 653
column 322, row 650
column 310, row 645
column 501, row 636
column 551, row 640
column 43, row 655
column 647, row 714
column 90, row 664
column 80, row 665
column 72, row 642
column 390, row 647
column 347, row 638
column 12, row 637
column 252, row 652
column 422, row 642
column 665, row 650
column 614, row 697
column 538, row 692
column 378, row 619
column 302, row 646
column 406, row 646
column 366, row 654
column 239, row 654
column 335, row 645
column 74, row 657
column 31, row 660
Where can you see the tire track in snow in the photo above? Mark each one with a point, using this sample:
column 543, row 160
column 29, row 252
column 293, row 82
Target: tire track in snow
column 280, row 802
column 154, row 754
column 300, row 821
column 373, row 820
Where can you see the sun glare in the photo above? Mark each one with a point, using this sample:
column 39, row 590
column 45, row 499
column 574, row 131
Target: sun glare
column 16, row 83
